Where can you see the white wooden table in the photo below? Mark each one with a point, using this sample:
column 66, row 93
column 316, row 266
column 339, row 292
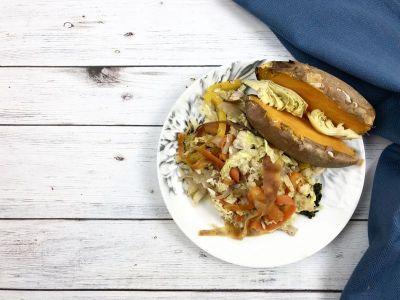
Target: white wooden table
column 84, row 89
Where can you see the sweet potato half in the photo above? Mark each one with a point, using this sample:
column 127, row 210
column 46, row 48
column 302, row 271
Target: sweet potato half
column 338, row 100
column 296, row 137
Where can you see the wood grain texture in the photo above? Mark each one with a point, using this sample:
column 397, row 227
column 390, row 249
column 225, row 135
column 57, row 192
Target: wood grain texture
column 153, row 255
column 95, row 172
column 110, row 172
column 89, row 96
column 148, row 32
column 128, row 295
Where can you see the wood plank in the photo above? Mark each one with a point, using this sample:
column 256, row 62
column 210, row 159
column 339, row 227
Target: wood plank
column 153, row 255
column 127, row 295
column 105, row 96
column 93, row 184
column 123, row 32
column 77, row 172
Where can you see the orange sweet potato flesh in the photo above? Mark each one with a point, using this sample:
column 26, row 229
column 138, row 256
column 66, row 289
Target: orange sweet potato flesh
column 316, row 100
column 302, row 128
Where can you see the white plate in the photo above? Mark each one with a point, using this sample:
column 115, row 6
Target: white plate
column 341, row 191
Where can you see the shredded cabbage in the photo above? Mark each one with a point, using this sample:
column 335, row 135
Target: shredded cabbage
column 251, row 150
column 247, row 140
column 210, row 115
column 242, row 160
column 275, row 155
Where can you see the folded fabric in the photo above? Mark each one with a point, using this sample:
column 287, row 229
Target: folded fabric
column 359, row 42
column 377, row 275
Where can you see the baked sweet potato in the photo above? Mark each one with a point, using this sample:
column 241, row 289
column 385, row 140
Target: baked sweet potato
column 338, row 100
column 296, row 137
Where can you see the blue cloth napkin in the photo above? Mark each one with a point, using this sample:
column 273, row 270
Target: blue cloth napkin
column 359, row 42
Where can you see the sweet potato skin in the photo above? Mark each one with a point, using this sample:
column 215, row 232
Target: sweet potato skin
column 346, row 97
column 303, row 150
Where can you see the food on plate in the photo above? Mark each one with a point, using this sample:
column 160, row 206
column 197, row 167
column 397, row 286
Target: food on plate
column 264, row 143
column 339, row 101
column 334, row 111
column 297, row 137
column 322, row 124
column 255, row 187
column 278, row 96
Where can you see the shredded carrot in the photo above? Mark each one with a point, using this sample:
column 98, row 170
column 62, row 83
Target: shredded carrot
column 288, row 211
column 274, row 213
column 276, row 216
column 294, row 177
column 284, row 200
column 235, row 174
column 239, row 218
column 199, row 165
column 211, row 157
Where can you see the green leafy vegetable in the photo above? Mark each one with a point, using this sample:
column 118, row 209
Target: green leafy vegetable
column 308, row 214
column 318, row 194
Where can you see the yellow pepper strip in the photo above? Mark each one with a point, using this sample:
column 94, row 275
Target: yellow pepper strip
column 222, row 126
column 210, row 94
column 230, row 85
column 211, row 97
column 225, row 85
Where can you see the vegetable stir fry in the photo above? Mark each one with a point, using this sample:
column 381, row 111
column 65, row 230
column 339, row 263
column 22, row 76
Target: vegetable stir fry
column 256, row 188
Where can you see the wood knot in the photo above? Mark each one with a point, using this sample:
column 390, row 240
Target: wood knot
column 127, row 96
column 68, row 25
column 105, row 75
